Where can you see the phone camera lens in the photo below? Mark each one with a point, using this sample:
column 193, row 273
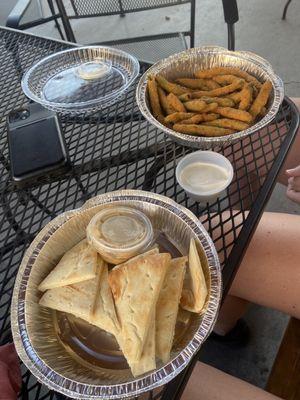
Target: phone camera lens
column 24, row 114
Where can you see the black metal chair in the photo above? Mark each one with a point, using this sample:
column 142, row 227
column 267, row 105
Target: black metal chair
column 285, row 9
column 161, row 45
column 29, row 13
column 164, row 43
column 96, row 8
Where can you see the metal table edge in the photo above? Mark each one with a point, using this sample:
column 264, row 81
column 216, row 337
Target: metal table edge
column 20, row 32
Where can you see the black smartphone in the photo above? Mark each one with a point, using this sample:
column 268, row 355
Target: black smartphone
column 36, row 144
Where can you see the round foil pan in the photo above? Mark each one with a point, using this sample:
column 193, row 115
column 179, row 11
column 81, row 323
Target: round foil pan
column 32, row 326
column 185, row 64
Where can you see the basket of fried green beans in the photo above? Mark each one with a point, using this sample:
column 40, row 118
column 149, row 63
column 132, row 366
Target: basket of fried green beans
column 203, row 103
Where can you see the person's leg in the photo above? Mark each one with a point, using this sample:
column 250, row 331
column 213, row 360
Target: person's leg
column 234, row 307
column 270, row 271
column 208, row 383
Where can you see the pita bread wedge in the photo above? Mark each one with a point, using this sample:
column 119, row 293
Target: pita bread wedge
column 154, row 250
column 77, row 265
column 104, row 314
column 167, row 307
column 135, row 286
column 77, row 299
column 183, row 315
column 147, row 361
column 195, row 291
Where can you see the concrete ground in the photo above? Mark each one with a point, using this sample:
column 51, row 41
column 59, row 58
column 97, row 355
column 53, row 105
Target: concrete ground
column 261, row 30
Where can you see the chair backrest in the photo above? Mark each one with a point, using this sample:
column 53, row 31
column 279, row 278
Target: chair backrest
column 101, row 8
column 93, row 8
column 90, row 8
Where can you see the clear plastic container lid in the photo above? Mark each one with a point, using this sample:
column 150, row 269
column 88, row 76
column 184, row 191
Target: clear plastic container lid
column 80, row 80
column 83, row 83
column 119, row 233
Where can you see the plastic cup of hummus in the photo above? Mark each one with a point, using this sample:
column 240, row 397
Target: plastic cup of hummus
column 119, row 233
column 204, row 175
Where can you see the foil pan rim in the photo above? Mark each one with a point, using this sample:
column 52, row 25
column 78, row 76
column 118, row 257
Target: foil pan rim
column 201, row 142
column 150, row 381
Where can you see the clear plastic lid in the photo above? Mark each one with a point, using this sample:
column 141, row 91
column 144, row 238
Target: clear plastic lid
column 81, row 79
column 85, row 82
column 119, row 233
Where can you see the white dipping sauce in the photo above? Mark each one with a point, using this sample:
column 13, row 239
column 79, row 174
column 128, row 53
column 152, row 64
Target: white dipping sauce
column 204, row 177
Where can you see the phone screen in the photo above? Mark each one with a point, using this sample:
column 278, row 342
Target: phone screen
column 36, row 147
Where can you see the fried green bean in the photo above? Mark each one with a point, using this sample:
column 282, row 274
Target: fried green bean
column 209, row 73
column 261, row 99
column 178, row 116
column 221, row 91
column 163, row 101
column 175, row 103
column 202, row 130
column 222, row 101
column 225, row 79
column 229, row 123
column 154, row 100
column 171, row 87
column 192, row 83
column 195, row 105
column 198, row 118
column 246, row 97
column 210, row 107
column 235, row 96
column 185, row 97
column 233, row 113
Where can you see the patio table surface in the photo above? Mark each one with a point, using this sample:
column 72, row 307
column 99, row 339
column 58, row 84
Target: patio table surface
column 119, row 149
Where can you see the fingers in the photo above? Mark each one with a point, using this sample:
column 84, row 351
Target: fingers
column 294, row 183
column 293, row 190
column 293, row 171
column 292, row 195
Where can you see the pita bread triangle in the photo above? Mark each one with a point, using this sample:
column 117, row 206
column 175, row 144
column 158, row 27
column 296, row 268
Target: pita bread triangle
column 104, row 314
column 167, row 307
column 154, row 250
column 183, row 315
column 77, row 265
column 77, row 299
column 147, row 361
column 135, row 286
column 195, row 291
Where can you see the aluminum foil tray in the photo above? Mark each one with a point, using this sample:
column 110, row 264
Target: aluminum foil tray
column 33, row 330
column 185, row 64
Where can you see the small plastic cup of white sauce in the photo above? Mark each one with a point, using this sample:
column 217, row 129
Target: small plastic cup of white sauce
column 204, row 175
column 119, row 233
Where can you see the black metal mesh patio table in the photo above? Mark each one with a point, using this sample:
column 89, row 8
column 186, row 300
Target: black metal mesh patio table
column 119, row 149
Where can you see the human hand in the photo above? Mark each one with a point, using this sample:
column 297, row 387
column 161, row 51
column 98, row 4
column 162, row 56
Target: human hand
column 293, row 189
